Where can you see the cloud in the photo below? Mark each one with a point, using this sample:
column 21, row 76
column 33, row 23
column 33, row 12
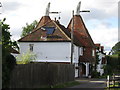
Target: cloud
column 104, row 35
column 9, row 6
column 102, row 27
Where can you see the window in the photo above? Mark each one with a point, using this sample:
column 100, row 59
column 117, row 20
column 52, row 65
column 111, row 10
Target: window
column 93, row 52
column 31, row 47
column 50, row 30
column 81, row 51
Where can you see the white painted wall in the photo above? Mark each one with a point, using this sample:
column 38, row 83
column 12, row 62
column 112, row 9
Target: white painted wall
column 76, row 54
column 49, row 51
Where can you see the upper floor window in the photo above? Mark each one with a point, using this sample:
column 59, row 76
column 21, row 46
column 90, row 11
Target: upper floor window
column 93, row 52
column 81, row 51
column 31, row 47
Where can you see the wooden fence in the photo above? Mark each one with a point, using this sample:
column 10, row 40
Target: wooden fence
column 37, row 75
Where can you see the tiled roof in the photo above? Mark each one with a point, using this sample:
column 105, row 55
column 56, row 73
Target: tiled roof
column 58, row 35
column 82, row 39
column 43, row 21
column 86, row 59
column 80, row 27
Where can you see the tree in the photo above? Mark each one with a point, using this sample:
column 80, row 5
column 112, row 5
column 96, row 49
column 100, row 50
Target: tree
column 113, row 61
column 116, row 48
column 28, row 28
column 8, row 61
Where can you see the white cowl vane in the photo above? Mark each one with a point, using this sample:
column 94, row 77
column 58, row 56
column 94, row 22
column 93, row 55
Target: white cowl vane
column 78, row 9
column 47, row 9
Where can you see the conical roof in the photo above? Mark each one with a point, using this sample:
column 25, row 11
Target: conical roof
column 80, row 27
column 43, row 21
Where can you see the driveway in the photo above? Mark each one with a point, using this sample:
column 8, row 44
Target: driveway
column 90, row 83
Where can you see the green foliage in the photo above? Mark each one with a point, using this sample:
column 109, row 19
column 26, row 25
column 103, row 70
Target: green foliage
column 116, row 48
column 7, row 43
column 8, row 61
column 113, row 61
column 28, row 28
column 26, row 58
column 113, row 64
column 95, row 74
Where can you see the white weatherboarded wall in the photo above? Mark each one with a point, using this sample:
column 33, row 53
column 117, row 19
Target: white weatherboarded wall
column 49, row 51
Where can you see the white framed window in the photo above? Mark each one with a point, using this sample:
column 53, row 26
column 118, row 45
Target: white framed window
column 93, row 52
column 31, row 47
column 81, row 51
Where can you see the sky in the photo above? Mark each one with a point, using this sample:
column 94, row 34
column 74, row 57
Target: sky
column 101, row 22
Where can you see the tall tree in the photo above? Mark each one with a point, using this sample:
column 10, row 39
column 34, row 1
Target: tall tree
column 113, row 60
column 116, row 48
column 8, row 61
column 28, row 28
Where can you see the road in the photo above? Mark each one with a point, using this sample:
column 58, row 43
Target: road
column 90, row 83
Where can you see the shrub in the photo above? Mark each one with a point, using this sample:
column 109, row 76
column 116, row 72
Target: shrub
column 26, row 58
column 95, row 74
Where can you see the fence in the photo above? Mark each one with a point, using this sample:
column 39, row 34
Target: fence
column 37, row 75
column 113, row 80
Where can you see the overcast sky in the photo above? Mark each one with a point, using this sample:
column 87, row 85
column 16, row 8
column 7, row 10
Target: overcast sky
column 101, row 22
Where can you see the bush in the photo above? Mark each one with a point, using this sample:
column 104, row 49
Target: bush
column 26, row 58
column 95, row 74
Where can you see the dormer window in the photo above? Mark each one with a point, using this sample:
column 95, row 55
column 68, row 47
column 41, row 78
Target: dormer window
column 31, row 47
column 49, row 30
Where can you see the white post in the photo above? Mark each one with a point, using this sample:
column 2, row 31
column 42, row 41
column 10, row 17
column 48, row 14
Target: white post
column 108, row 81
column 87, row 69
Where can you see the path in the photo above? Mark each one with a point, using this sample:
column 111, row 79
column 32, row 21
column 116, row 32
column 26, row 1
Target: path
column 90, row 83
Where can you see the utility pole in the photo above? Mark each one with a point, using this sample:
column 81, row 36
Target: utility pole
column 72, row 33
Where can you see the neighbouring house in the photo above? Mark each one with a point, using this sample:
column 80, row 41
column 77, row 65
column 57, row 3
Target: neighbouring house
column 51, row 42
column 101, row 58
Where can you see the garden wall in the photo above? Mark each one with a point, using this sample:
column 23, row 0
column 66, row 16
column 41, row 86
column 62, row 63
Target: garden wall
column 37, row 75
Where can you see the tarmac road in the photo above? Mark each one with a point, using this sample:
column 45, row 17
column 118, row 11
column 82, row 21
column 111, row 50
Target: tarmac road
column 90, row 83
